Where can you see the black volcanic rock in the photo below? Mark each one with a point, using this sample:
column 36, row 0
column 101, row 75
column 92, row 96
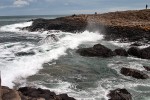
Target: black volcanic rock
column 134, row 73
column 97, row 50
column 119, row 94
column 134, row 51
column 121, row 52
column 67, row 24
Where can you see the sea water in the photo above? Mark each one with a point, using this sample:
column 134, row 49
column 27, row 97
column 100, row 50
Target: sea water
column 55, row 65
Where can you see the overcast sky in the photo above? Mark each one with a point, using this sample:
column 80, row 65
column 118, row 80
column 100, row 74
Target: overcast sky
column 59, row 7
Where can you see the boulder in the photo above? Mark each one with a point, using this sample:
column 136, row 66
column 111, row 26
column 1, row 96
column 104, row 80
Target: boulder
column 140, row 53
column 41, row 94
column 37, row 93
column 134, row 51
column 119, row 94
column 97, row 50
column 147, row 68
column 121, row 52
column 134, row 73
column 25, row 53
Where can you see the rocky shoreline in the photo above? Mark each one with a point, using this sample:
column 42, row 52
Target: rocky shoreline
column 127, row 26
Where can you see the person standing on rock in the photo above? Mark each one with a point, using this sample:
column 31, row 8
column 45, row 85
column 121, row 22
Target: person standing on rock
column 146, row 6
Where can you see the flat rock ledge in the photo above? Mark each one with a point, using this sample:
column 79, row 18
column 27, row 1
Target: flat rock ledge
column 28, row 93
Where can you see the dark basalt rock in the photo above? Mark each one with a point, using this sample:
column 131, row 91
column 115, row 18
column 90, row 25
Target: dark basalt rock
column 140, row 53
column 97, row 50
column 121, row 52
column 134, row 73
column 25, row 53
column 119, row 94
column 43, row 93
column 66, row 24
column 134, row 51
column 147, row 68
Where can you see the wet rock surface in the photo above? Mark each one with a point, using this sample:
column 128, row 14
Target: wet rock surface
column 97, row 50
column 134, row 73
column 119, row 94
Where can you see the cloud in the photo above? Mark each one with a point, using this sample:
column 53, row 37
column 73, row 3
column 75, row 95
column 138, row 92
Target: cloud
column 21, row 3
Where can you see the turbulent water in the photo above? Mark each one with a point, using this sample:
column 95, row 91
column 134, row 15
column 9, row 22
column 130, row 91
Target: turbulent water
column 57, row 66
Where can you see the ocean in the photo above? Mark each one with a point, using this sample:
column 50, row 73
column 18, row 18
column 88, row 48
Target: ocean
column 57, row 66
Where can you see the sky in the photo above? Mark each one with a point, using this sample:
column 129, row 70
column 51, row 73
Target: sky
column 62, row 7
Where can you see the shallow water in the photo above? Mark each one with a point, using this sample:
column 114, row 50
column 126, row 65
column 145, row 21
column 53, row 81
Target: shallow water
column 57, row 66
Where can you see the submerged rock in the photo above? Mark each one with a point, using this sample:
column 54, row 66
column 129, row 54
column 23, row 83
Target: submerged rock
column 25, row 53
column 134, row 73
column 121, row 52
column 119, row 94
column 97, row 50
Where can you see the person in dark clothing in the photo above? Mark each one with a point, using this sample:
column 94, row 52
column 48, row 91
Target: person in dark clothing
column 146, row 6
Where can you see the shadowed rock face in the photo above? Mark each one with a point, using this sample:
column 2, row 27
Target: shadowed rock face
column 119, row 94
column 134, row 73
column 97, row 50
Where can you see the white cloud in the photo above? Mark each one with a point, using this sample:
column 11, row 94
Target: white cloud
column 21, row 3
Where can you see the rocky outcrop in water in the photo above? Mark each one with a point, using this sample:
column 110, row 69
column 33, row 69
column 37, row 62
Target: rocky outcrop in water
column 134, row 73
column 119, row 94
column 97, row 50
column 140, row 53
column 28, row 93
column 25, row 53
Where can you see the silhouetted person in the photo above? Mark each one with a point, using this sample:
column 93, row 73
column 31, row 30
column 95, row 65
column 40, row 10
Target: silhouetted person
column 146, row 6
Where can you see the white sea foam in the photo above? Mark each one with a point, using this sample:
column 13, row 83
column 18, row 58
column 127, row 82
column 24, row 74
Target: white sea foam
column 24, row 66
column 15, row 27
column 119, row 44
